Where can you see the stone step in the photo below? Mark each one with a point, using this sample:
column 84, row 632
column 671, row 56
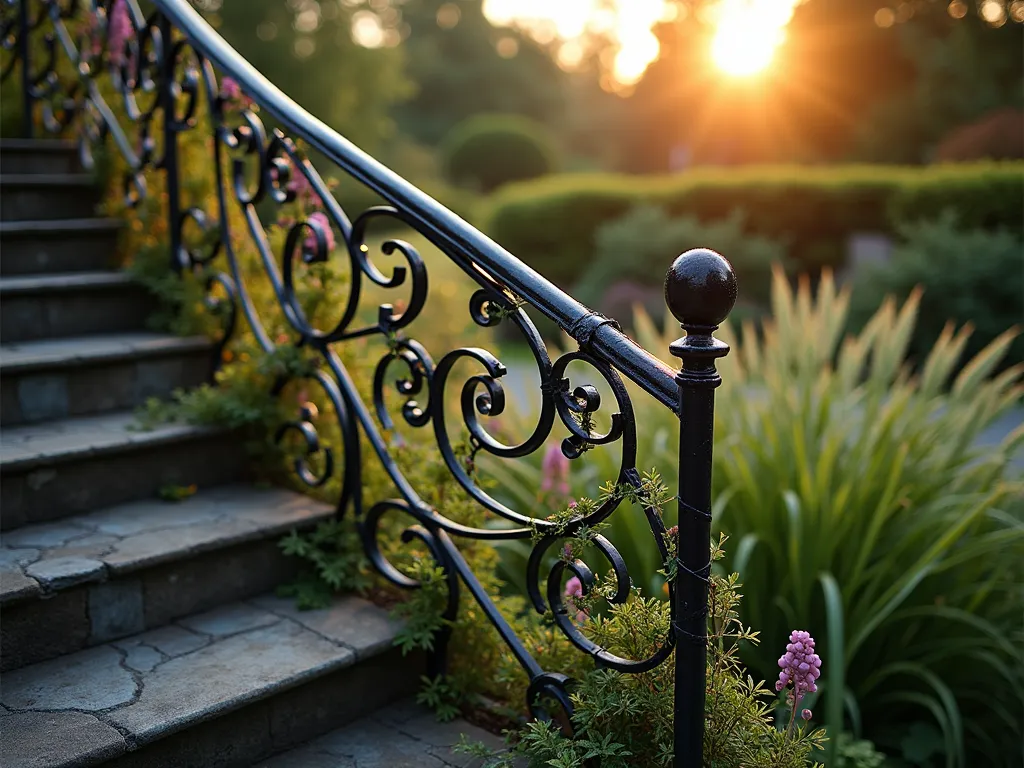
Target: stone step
column 224, row 688
column 402, row 735
column 38, row 156
column 57, row 378
column 47, row 196
column 72, row 304
column 96, row 577
column 62, row 245
column 61, row 468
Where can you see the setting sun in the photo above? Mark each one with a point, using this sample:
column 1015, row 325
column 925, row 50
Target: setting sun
column 747, row 34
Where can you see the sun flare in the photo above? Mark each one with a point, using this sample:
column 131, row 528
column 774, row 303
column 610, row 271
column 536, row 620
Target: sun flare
column 747, row 34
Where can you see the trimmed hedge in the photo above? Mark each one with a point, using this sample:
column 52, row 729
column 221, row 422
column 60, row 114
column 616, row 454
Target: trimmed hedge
column 486, row 151
column 551, row 223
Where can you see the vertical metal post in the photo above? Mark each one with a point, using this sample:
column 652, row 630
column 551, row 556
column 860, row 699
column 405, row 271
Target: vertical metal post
column 26, row 75
column 168, row 93
column 700, row 290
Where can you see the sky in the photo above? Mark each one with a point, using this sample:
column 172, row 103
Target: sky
column 748, row 31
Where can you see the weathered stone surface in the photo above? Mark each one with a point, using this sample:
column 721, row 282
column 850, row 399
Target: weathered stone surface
column 115, row 609
column 382, row 740
column 15, row 585
column 63, row 572
column 308, row 757
column 225, row 675
column 37, row 630
column 142, row 658
column 43, row 396
column 172, row 641
column 15, row 557
column 352, row 621
column 89, row 680
column 229, row 620
column 43, row 536
column 56, row 739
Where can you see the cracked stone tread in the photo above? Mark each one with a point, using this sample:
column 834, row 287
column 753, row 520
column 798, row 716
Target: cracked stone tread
column 140, row 689
column 92, row 547
column 33, row 445
column 403, row 735
column 24, row 356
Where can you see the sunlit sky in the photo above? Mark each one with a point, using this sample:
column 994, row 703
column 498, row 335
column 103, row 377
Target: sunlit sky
column 747, row 31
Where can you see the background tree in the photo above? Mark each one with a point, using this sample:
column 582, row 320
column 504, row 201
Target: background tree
column 307, row 49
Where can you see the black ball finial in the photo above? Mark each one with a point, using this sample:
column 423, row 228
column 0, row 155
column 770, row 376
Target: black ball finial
column 700, row 288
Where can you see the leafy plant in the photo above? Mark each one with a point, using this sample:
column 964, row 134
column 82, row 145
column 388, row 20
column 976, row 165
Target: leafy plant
column 970, row 276
column 626, row 720
column 649, row 235
column 861, row 508
column 485, row 151
column 552, row 222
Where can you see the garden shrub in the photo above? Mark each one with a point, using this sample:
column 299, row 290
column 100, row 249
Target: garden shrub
column 633, row 248
column 967, row 276
column 860, row 507
column 486, row 151
column 552, row 223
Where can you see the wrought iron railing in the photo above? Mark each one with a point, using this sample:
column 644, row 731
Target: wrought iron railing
column 162, row 68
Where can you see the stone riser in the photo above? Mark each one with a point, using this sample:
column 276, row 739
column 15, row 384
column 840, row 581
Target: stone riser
column 90, row 614
column 25, row 160
column 32, row 198
column 31, row 396
column 28, row 253
column 286, row 720
column 28, row 317
column 223, row 688
column 50, row 492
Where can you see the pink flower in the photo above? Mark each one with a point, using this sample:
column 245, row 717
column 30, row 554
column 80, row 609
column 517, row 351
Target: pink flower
column 555, row 471
column 303, row 189
column 232, row 93
column 324, row 224
column 574, row 588
column 119, row 29
column 800, row 665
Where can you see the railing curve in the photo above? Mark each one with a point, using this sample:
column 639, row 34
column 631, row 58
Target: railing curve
column 163, row 67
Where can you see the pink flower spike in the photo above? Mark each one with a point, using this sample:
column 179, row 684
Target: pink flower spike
column 119, row 29
column 555, row 471
column 319, row 219
column 800, row 665
column 230, row 89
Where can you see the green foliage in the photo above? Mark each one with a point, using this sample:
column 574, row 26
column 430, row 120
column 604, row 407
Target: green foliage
column 451, row 50
column 552, row 223
column 861, row 508
column 864, row 511
column 972, row 276
column 333, row 557
column 857, row 753
column 176, row 492
column 306, row 60
column 638, row 246
column 421, row 613
column 487, row 151
column 626, row 720
column 442, row 697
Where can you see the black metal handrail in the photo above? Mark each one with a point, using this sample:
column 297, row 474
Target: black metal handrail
column 171, row 56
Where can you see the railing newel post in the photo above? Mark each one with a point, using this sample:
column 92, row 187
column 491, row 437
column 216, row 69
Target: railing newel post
column 700, row 290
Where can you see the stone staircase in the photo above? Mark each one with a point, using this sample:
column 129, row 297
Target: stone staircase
column 134, row 630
